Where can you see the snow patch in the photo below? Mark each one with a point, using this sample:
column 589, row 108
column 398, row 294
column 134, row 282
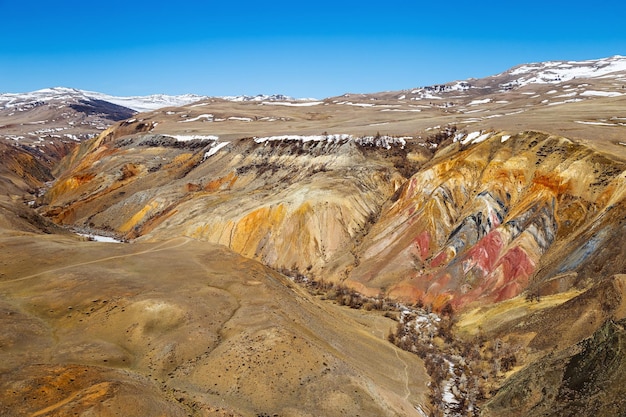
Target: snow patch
column 475, row 137
column 476, row 102
column 208, row 117
column 482, row 138
column 591, row 93
column 214, row 149
column 348, row 103
column 99, row 238
column 594, row 123
column 403, row 110
column 574, row 100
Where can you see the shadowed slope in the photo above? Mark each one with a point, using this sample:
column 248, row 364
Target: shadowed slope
column 586, row 378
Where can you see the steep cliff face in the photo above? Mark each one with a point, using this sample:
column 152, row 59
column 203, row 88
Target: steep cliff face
column 484, row 222
column 491, row 215
column 291, row 204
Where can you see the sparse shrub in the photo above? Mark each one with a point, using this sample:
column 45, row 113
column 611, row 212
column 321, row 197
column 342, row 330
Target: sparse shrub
column 508, row 362
column 470, row 370
column 447, row 311
column 533, row 296
column 391, row 315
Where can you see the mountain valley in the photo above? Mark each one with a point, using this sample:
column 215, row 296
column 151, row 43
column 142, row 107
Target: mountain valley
column 475, row 227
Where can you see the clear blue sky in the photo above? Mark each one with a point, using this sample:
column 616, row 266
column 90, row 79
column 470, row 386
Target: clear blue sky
column 304, row 49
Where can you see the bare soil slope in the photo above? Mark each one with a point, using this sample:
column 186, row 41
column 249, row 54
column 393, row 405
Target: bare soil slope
column 184, row 328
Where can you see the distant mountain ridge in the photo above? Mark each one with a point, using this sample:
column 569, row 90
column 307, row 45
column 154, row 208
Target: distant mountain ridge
column 259, row 97
column 68, row 95
column 539, row 74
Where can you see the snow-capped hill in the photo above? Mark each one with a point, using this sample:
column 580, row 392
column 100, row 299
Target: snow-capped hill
column 544, row 81
column 561, row 71
column 67, row 96
column 20, row 101
column 148, row 103
column 53, row 116
column 61, row 103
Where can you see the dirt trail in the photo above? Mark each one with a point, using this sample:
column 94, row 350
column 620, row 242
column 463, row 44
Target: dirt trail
column 406, row 367
column 406, row 375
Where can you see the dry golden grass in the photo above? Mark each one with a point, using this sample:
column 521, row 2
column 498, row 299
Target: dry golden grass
column 187, row 326
column 509, row 312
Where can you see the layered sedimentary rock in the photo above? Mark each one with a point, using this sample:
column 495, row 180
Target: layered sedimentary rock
column 479, row 223
column 290, row 204
column 490, row 215
column 516, row 237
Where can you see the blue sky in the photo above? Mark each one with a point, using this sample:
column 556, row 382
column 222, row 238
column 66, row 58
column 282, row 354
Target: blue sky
column 317, row 49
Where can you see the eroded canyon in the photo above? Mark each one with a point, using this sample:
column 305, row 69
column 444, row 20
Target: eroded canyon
column 493, row 252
